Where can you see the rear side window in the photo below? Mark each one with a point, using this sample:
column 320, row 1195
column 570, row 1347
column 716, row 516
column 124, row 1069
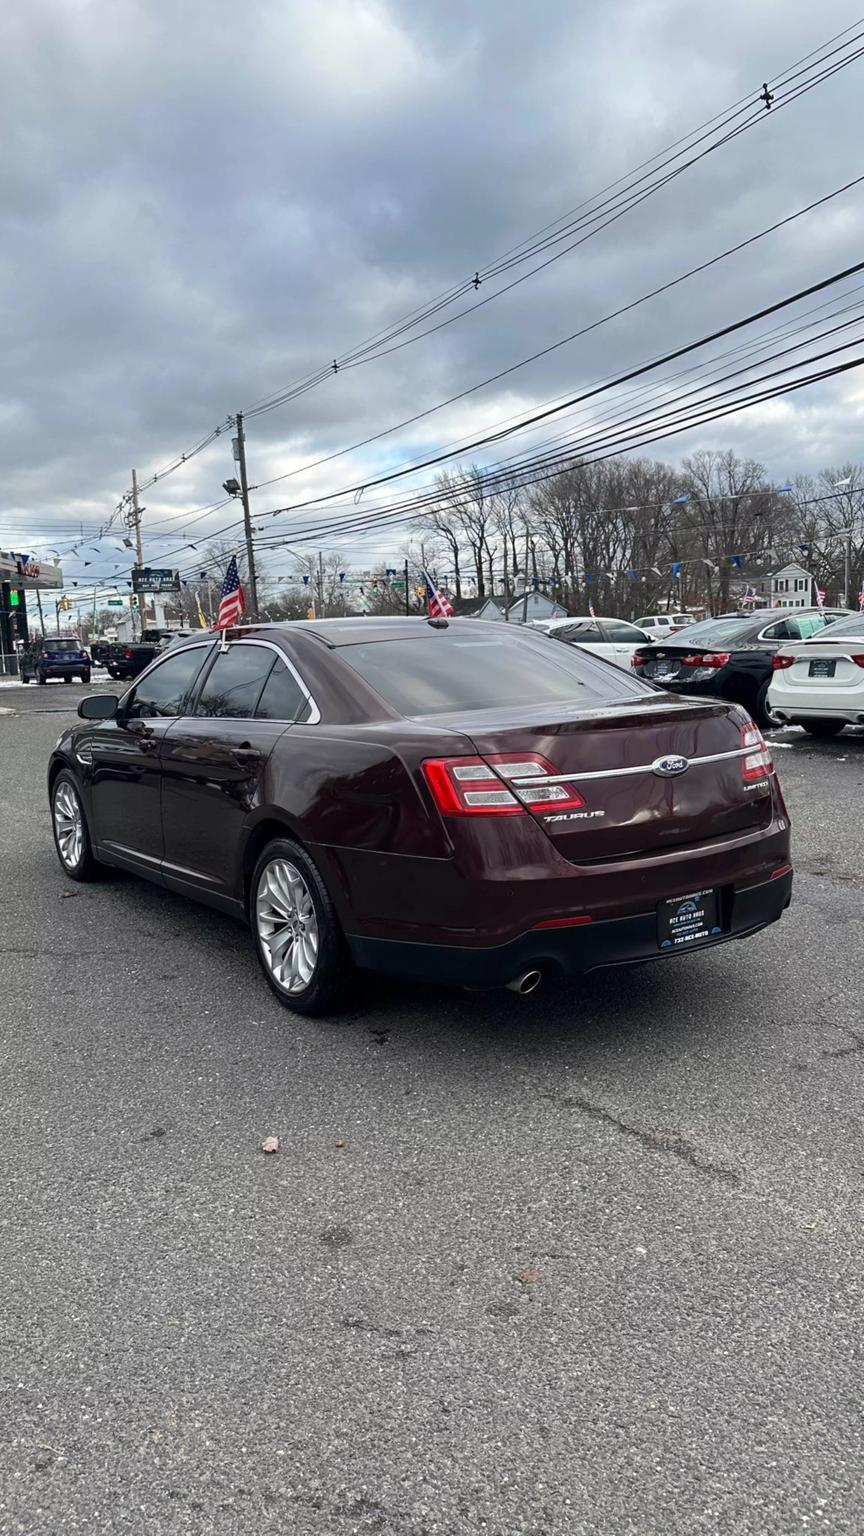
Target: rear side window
column 851, row 627
column 235, row 682
column 283, row 698
column 432, row 675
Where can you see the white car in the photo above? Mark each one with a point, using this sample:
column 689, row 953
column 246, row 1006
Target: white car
column 616, row 639
column 819, row 683
column 659, row 626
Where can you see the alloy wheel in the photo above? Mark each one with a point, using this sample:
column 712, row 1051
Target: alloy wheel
column 69, row 825
column 287, row 925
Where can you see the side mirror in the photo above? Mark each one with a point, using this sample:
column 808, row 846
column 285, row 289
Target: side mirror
column 99, row 706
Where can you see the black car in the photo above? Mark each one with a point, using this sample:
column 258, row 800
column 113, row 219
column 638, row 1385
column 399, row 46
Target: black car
column 55, row 656
column 730, row 658
column 99, row 651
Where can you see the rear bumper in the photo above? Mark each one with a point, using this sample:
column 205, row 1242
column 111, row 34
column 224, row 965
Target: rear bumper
column 800, row 704
column 63, row 669
column 566, row 951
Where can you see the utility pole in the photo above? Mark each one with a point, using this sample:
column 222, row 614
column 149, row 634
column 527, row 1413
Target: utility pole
column 407, row 598
column 320, row 585
column 506, row 585
column 247, row 520
column 525, row 574
column 139, row 554
column 41, row 614
column 847, row 569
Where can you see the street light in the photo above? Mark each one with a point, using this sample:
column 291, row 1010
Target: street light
column 232, row 487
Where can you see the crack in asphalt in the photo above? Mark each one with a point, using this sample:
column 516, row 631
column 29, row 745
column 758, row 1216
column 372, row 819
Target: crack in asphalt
column 657, row 1141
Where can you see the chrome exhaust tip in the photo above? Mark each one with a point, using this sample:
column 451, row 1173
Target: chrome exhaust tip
column 529, row 981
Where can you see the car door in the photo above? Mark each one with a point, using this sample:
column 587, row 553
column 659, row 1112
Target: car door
column 126, row 771
column 625, row 639
column 215, row 764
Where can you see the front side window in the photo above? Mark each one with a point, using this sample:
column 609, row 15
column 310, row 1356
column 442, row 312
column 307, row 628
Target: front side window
column 582, row 632
column 617, row 630
column 235, row 682
column 164, row 690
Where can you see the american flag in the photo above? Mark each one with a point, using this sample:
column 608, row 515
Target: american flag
column 861, row 600
column 750, row 596
column 231, row 600
column 437, row 605
column 820, row 597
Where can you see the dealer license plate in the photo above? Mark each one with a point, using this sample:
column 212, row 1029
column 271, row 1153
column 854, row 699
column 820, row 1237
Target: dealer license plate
column 688, row 919
column 823, row 668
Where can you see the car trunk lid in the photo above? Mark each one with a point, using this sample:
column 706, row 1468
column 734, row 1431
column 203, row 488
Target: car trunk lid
column 654, row 774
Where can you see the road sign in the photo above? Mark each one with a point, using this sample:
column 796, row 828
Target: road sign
column 115, row 602
column 148, row 578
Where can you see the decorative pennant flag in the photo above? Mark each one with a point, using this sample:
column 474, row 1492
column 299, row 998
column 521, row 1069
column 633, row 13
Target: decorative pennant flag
column 840, row 485
column 591, row 610
column 588, row 578
column 676, row 567
column 632, row 575
column 820, row 597
column 201, row 619
column 861, row 600
column 680, row 500
column 782, row 489
column 437, row 605
column 736, row 561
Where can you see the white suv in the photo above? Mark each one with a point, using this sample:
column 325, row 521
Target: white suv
column 661, row 625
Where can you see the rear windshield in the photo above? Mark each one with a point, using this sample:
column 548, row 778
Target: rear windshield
column 716, row 631
column 61, row 645
column 430, row 676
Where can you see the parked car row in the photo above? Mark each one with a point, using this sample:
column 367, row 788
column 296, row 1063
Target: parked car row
column 731, row 658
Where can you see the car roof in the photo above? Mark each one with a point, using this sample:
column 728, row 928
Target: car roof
column 335, row 633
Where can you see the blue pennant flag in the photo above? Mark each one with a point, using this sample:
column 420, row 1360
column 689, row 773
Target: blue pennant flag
column 781, row 489
column 680, row 500
column 588, row 578
column 676, row 567
column 736, row 561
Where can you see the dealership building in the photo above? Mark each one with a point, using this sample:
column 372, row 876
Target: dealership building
column 21, row 574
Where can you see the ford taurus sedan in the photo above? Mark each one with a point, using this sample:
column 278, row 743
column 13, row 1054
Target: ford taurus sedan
column 453, row 802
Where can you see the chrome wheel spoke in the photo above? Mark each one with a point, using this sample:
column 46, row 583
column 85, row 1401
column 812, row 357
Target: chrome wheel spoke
column 68, row 825
column 287, row 925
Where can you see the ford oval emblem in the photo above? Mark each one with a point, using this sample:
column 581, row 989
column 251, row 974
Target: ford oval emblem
column 670, row 767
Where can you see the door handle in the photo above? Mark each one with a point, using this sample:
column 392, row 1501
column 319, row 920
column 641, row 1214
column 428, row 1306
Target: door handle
column 245, row 755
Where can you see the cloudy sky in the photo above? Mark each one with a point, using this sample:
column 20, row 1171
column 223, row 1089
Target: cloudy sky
column 201, row 203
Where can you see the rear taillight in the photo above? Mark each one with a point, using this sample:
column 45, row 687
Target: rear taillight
column 858, row 660
column 757, row 764
column 780, row 663
column 638, row 661
column 128, row 654
column 477, row 786
column 709, row 659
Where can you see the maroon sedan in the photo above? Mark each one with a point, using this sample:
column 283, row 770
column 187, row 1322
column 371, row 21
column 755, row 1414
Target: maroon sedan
column 453, row 801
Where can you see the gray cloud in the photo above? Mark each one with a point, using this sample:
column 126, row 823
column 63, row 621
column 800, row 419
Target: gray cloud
column 193, row 213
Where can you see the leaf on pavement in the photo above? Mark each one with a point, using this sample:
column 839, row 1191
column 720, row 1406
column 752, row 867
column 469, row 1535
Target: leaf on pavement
column 528, row 1276
column 340, row 1144
column 270, row 1144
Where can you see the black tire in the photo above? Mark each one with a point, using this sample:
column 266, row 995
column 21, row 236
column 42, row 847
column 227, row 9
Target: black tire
column 329, row 980
column 41, row 679
column 67, row 679
column 24, row 678
column 824, row 727
column 762, row 713
column 85, row 866
column 85, row 678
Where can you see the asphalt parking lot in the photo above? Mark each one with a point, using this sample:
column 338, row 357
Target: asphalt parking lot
column 588, row 1261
